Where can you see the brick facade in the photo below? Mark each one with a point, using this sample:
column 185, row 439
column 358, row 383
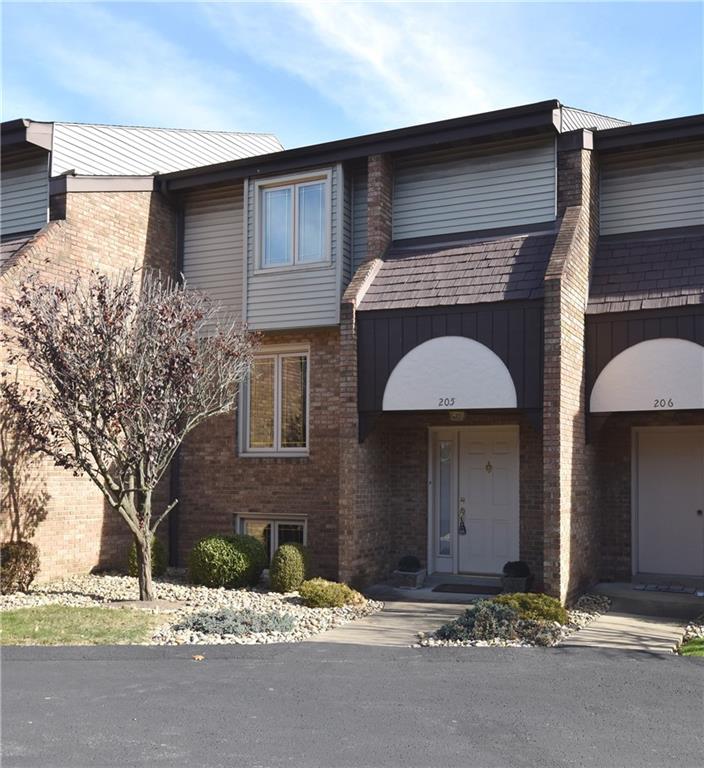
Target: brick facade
column 216, row 483
column 571, row 522
column 75, row 530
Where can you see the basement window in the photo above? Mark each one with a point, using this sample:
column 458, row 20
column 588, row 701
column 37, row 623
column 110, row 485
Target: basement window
column 273, row 532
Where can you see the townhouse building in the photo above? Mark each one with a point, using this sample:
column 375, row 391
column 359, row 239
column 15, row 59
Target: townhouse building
column 482, row 341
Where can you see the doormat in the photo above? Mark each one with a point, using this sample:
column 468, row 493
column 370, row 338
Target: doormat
column 468, row 589
column 672, row 588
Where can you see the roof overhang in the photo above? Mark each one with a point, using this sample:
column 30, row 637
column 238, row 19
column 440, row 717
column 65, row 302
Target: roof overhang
column 528, row 119
column 74, row 183
column 645, row 134
column 22, row 134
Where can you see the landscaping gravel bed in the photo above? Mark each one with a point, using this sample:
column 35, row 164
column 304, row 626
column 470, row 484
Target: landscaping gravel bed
column 105, row 590
column 694, row 630
column 532, row 633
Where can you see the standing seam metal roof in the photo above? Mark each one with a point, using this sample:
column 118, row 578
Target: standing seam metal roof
column 117, row 150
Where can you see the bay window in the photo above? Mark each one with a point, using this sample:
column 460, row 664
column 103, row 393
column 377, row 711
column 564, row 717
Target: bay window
column 275, row 412
column 293, row 218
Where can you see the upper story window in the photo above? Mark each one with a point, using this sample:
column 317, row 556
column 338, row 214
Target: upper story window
column 293, row 216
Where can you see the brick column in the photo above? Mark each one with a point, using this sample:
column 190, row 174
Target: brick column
column 379, row 201
column 570, row 508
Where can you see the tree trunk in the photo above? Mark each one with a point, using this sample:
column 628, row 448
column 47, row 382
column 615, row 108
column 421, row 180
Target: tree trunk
column 144, row 567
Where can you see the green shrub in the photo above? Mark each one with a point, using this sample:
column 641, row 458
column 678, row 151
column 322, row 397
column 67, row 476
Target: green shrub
column 228, row 621
column 19, row 564
column 216, row 562
column 254, row 550
column 485, row 620
column 159, row 560
column 319, row 593
column 289, row 568
column 516, row 569
column 534, row 607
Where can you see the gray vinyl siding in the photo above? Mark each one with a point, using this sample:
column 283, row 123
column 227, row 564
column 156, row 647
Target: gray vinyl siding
column 359, row 218
column 461, row 190
column 654, row 189
column 294, row 297
column 213, row 245
column 24, row 194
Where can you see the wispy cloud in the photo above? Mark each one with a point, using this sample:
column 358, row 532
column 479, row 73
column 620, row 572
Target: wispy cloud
column 399, row 64
column 126, row 70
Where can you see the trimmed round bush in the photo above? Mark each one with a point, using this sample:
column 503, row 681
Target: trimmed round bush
column 289, row 568
column 517, row 569
column 19, row 565
column 320, row 593
column 531, row 606
column 159, row 560
column 254, row 550
column 216, row 562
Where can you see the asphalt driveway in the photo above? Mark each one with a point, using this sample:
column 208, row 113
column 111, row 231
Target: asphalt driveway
column 319, row 704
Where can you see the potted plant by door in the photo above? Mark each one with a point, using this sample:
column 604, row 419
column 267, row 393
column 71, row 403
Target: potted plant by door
column 409, row 574
column 516, row 577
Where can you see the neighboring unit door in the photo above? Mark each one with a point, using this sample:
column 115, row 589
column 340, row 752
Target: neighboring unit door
column 669, row 501
column 488, row 517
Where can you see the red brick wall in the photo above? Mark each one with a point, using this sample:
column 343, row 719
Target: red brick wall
column 216, row 483
column 571, row 520
column 105, row 231
column 380, row 198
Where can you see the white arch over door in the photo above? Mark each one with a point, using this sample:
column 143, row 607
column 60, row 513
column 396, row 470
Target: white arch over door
column 447, row 373
column 654, row 375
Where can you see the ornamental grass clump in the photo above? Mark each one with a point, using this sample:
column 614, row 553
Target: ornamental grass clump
column 228, row 621
column 320, row 593
column 289, row 568
column 19, row 564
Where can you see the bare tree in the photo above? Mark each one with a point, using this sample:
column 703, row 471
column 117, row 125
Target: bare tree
column 126, row 367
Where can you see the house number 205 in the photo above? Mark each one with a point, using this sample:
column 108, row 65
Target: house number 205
column 661, row 402
column 446, row 402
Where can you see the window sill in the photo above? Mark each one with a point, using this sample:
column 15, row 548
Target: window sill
column 273, row 454
column 327, row 264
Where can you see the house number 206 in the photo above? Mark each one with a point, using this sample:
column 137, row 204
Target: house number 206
column 661, row 402
column 446, row 402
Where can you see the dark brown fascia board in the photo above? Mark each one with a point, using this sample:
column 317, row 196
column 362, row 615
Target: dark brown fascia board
column 528, row 119
column 72, row 183
column 643, row 134
column 16, row 133
column 582, row 138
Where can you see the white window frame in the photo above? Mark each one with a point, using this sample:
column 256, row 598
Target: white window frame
column 274, row 521
column 292, row 183
column 277, row 354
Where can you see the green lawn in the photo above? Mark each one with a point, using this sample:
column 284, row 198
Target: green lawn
column 693, row 647
column 60, row 625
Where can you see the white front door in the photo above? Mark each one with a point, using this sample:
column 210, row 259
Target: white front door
column 669, row 501
column 488, row 499
column 474, row 499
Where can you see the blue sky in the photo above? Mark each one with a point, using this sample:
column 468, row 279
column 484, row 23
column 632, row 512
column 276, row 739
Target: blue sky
column 311, row 71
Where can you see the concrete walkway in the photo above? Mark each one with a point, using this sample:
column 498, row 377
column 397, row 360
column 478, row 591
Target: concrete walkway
column 397, row 625
column 638, row 620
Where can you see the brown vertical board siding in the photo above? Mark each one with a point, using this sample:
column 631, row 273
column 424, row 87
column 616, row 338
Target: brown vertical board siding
column 512, row 330
column 610, row 334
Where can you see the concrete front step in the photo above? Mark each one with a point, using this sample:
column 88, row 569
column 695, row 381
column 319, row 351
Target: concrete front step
column 626, row 599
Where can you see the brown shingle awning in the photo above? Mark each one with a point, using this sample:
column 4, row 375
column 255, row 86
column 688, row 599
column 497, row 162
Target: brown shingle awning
column 438, row 273
column 648, row 271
